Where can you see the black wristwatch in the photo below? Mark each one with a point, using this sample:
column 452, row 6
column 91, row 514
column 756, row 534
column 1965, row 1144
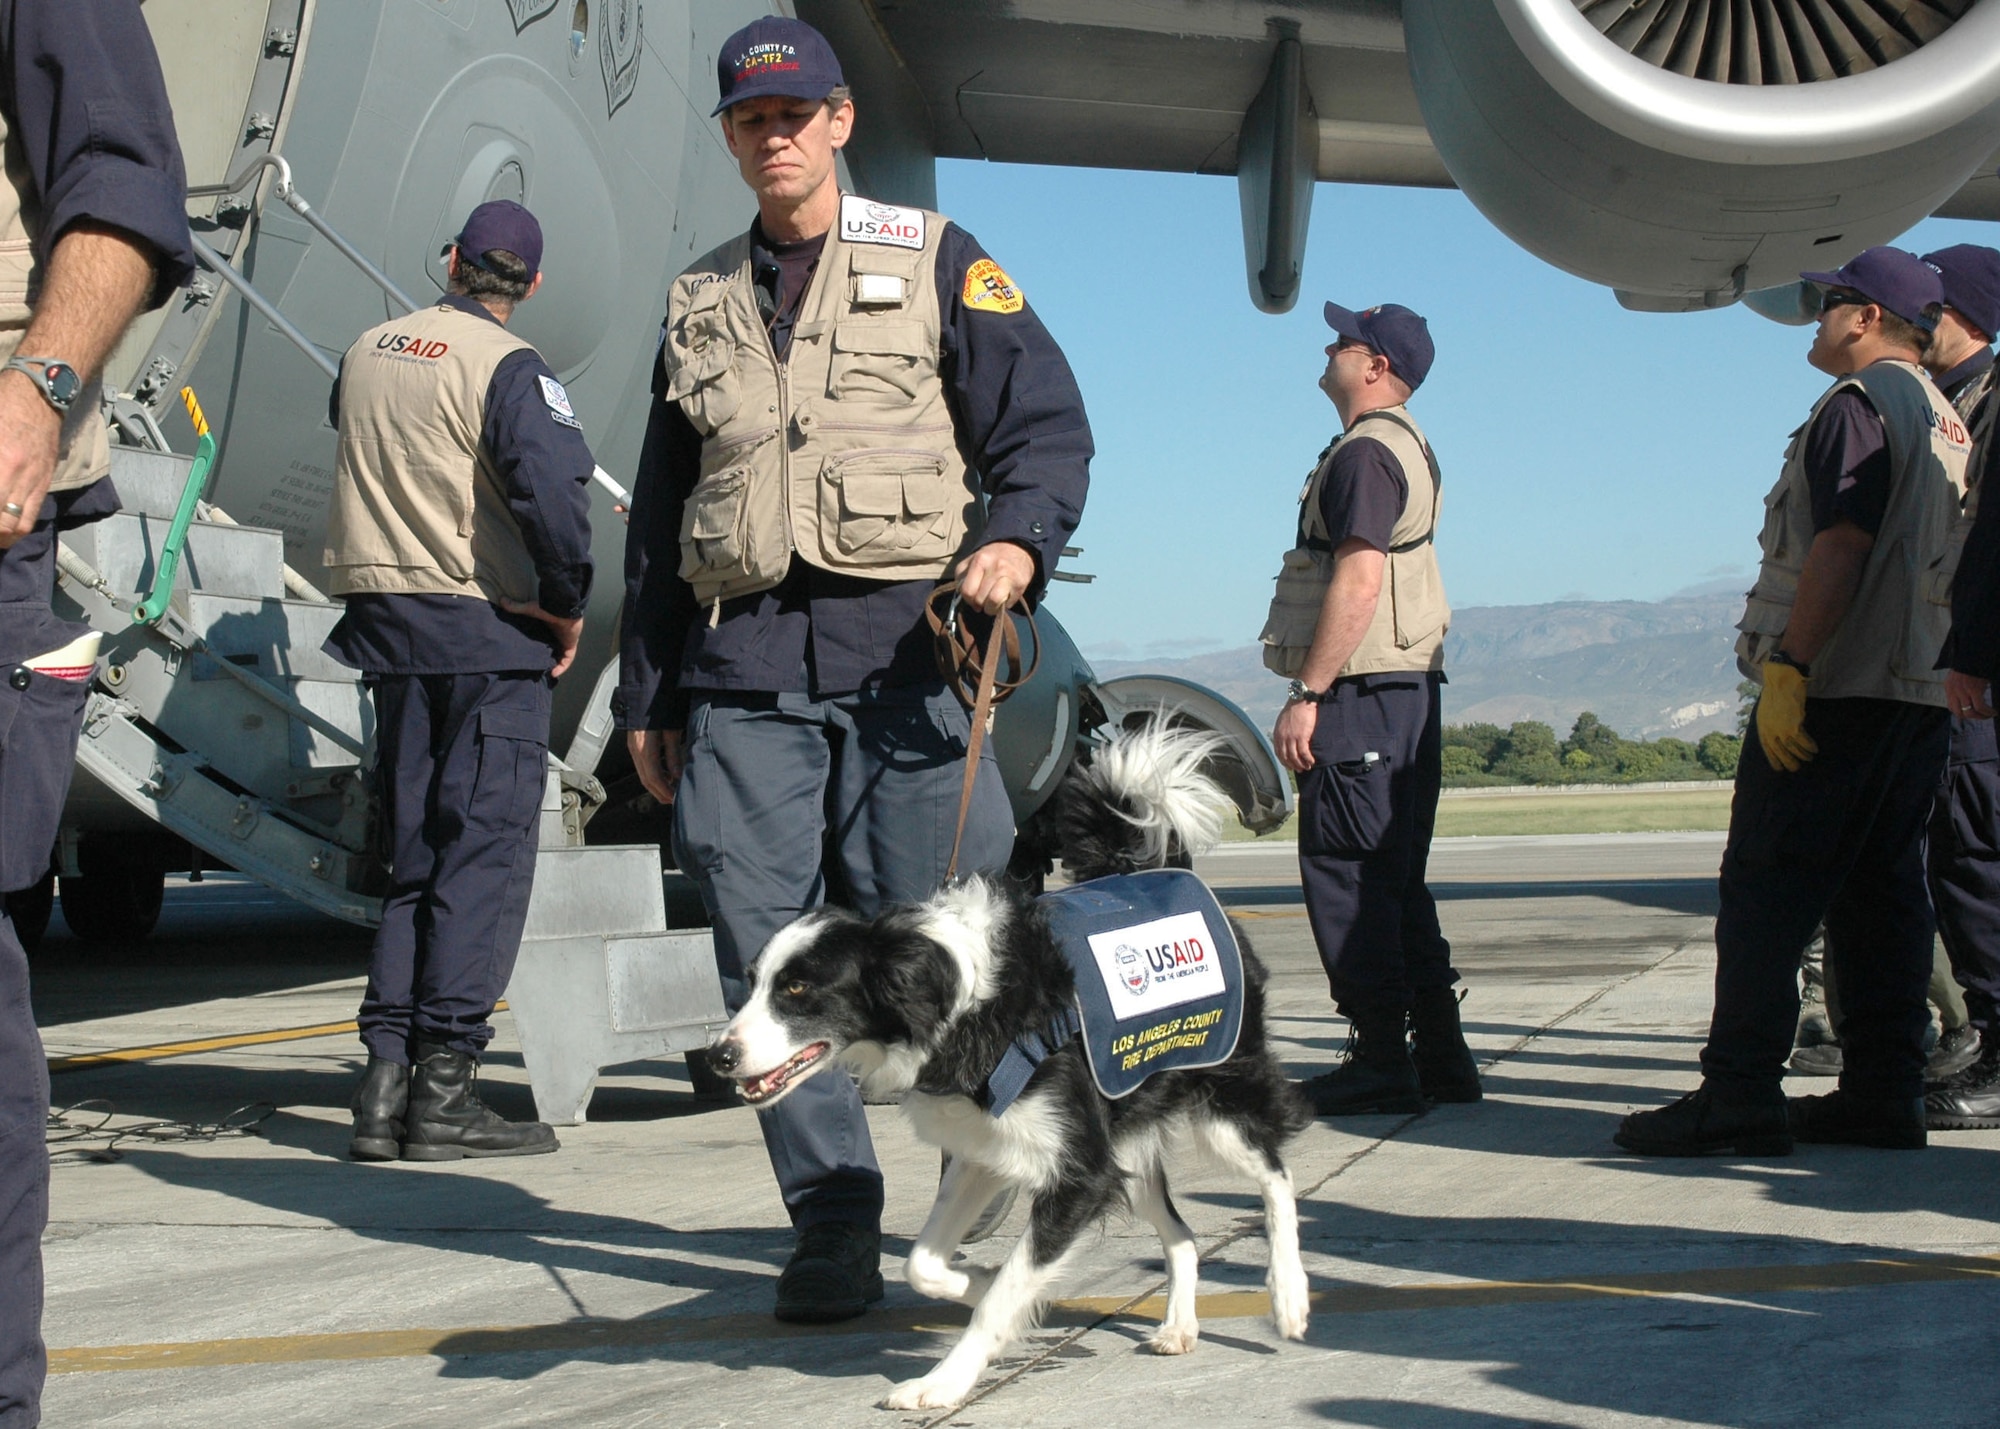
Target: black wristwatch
column 1299, row 690
column 1779, row 657
column 58, row 381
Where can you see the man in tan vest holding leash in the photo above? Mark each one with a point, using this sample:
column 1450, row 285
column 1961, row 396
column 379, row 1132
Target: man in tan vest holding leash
column 1843, row 631
column 460, row 537
column 1358, row 623
column 853, row 402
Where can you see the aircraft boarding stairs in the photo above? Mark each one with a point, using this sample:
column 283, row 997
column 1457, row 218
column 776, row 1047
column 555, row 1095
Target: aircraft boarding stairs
column 223, row 723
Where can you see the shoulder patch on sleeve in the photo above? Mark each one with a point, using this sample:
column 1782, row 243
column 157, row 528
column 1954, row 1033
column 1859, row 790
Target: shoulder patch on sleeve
column 557, row 401
column 865, row 221
column 989, row 289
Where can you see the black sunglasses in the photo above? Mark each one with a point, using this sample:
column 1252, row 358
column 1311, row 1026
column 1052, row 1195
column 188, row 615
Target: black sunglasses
column 1837, row 298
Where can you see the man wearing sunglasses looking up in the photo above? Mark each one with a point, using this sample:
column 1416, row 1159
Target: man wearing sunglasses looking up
column 1833, row 793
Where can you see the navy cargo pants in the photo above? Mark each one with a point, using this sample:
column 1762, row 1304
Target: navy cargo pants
column 39, row 721
column 787, row 802
column 1964, row 869
column 462, row 760
column 1366, row 811
column 1842, row 839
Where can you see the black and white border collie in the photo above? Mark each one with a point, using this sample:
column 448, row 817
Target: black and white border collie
column 922, row 1001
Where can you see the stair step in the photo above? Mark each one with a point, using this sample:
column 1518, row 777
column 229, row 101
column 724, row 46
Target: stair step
column 245, row 561
column 149, row 483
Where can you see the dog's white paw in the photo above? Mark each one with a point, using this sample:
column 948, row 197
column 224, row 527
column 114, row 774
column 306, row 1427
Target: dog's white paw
column 930, row 1392
column 1290, row 1303
column 1174, row 1340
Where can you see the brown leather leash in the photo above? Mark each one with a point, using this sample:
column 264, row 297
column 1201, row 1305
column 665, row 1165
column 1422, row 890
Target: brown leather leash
column 975, row 678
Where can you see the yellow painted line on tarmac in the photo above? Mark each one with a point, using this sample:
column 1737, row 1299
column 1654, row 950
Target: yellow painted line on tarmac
column 585, row 1335
column 160, row 1050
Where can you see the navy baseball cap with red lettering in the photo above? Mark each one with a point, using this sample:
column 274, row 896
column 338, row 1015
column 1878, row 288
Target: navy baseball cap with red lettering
column 779, row 56
column 1392, row 330
column 1971, row 276
column 504, row 225
column 1890, row 278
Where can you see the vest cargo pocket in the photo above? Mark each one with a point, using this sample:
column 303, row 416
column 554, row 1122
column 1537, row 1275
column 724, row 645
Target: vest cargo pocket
column 889, row 503
column 880, row 360
column 715, row 527
column 1416, row 604
column 1763, row 626
column 1295, row 607
column 701, row 369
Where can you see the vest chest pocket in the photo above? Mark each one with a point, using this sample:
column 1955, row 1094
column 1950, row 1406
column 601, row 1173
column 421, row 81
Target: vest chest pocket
column 1771, row 540
column 889, row 503
column 701, row 369
column 880, row 360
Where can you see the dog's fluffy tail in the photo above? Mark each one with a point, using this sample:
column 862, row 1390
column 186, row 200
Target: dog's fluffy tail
column 1140, row 801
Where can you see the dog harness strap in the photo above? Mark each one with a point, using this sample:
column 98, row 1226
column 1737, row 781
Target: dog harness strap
column 1017, row 1065
column 957, row 659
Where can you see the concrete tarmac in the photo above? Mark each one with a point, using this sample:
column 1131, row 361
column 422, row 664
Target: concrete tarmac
column 1501, row 1264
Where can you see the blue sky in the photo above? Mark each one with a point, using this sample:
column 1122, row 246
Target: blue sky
column 1588, row 452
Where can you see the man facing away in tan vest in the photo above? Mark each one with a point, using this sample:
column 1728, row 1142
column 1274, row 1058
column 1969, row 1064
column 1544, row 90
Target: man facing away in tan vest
column 1843, row 630
column 854, row 401
column 1358, row 622
column 460, row 537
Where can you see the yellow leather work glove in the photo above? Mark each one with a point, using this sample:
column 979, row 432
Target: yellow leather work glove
column 1781, row 718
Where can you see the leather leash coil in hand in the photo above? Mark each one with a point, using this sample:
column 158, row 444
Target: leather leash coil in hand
column 975, row 678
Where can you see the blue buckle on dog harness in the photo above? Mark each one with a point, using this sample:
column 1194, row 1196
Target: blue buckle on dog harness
column 1159, row 983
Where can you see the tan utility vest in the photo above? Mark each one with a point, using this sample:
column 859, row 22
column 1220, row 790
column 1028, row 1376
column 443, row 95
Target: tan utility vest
column 1978, row 415
column 1411, row 614
column 844, row 454
column 1885, row 645
column 84, row 454
column 417, row 506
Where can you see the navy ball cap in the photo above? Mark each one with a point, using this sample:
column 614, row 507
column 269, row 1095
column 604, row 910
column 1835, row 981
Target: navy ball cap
column 775, row 55
column 1971, row 276
column 1900, row 282
column 503, row 224
column 1392, row 330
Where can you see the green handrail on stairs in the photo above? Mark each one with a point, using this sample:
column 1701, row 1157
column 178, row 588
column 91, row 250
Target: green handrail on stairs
column 149, row 610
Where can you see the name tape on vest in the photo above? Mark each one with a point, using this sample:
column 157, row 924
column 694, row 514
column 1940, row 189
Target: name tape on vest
column 1154, row 966
column 558, row 403
column 989, row 289
column 865, row 221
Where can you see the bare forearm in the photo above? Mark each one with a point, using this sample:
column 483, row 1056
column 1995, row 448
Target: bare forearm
column 1346, row 614
column 97, row 281
column 1827, row 585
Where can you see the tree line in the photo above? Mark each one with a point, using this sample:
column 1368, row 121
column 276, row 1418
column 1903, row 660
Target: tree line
column 1528, row 752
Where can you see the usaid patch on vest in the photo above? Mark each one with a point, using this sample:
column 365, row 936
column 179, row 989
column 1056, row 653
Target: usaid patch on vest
column 557, row 401
column 1159, row 978
column 865, row 221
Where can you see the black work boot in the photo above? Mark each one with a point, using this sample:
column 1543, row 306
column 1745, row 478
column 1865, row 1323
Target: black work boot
column 1957, row 1048
column 1895, row 1123
column 447, row 1120
column 1375, row 1072
column 1445, row 1066
column 834, row 1273
column 1707, row 1121
column 1970, row 1101
column 378, row 1105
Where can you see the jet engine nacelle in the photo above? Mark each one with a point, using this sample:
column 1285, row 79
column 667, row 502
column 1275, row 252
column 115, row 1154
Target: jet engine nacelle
column 1685, row 154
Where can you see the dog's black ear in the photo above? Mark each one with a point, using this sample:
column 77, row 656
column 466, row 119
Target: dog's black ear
column 914, row 981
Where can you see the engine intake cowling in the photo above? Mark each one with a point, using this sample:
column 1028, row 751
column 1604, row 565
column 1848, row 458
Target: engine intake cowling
column 1685, row 151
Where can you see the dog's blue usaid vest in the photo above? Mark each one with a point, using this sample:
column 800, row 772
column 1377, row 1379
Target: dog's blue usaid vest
column 1159, row 983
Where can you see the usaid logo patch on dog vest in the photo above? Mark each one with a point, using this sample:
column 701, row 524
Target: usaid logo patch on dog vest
column 1159, row 978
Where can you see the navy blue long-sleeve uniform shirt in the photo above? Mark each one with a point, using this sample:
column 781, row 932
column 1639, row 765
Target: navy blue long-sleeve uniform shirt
column 1974, row 645
column 544, row 468
column 83, row 95
column 1021, row 427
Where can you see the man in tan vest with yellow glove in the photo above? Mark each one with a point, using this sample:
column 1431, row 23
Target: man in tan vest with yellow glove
column 460, row 537
column 1358, row 623
column 1843, row 631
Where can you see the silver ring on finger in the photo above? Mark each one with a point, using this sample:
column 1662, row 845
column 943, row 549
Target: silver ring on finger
column 12, row 508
